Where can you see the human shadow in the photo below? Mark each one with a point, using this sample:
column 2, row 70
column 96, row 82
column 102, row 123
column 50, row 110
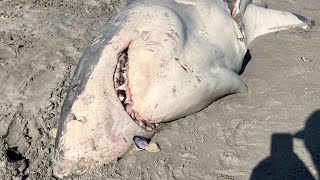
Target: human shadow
column 283, row 163
column 311, row 137
column 246, row 60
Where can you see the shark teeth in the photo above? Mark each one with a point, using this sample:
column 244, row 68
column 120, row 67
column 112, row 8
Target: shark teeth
column 120, row 86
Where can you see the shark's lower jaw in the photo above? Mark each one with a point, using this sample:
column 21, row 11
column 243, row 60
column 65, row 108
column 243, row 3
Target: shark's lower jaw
column 121, row 86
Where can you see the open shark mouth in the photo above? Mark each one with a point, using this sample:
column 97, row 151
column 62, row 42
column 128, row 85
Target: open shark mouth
column 121, row 86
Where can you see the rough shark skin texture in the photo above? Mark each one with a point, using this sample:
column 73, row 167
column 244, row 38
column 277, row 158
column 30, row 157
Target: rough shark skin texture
column 182, row 56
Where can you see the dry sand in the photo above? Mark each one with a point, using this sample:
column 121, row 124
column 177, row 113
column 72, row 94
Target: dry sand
column 41, row 42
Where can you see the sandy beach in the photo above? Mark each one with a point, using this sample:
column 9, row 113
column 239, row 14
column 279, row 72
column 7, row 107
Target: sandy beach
column 273, row 131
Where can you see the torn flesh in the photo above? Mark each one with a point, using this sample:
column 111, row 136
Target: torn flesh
column 121, row 86
column 232, row 7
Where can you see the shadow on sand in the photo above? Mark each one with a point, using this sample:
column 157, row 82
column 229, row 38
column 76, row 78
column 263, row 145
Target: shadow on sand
column 283, row 163
column 246, row 60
